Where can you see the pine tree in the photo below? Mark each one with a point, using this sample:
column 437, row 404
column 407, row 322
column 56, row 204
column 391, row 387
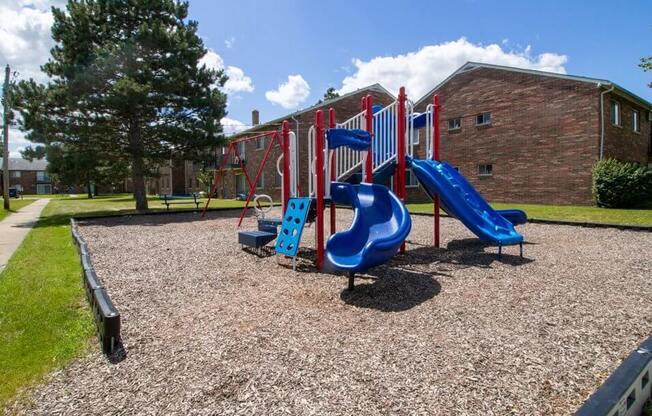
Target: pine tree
column 126, row 86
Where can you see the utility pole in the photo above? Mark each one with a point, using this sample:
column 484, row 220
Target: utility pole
column 5, row 147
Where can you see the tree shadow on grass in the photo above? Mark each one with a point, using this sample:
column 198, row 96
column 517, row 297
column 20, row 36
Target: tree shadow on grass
column 391, row 289
column 112, row 218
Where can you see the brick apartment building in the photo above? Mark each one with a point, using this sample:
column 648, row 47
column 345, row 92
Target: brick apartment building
column 345, row 107
column 177, row 177
column 517, row 135
column 27, row 177
column 530, row 136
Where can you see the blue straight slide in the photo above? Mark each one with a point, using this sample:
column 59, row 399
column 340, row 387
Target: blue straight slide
column 380, row 225
column 461, row 200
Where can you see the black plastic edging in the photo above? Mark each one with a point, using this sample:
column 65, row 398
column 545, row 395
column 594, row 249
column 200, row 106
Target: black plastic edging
column 107, row 317
column 611, row 395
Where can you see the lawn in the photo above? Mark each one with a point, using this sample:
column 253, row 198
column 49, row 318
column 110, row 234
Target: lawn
column 44, row 318
column 568, row 213
column 15, row 205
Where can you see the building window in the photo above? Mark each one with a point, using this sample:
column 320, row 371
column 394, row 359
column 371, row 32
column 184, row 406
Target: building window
column 42, row 176
column 410, row 179
column 278, row 179
column 615, row 113
column 483, row 119
column 14, row 174
column 260, row 143
column 43, row 188
column 455, row 123
column 261, row 181
column 240, row 186
column 241, row 150
column 636, row 123
column 416, row 136
column 485, row 169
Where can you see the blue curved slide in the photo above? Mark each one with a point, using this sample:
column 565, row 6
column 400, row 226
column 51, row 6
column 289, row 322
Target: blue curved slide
column 380, row 225
column 462, row 201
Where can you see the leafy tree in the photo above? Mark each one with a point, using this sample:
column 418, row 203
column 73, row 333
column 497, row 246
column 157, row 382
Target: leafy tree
column 30, row 153
column 329, row 95
column 646, row 64
column 205, row 177
column 126, row 87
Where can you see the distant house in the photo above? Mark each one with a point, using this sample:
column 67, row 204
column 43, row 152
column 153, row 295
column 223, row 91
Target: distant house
column 28, row 177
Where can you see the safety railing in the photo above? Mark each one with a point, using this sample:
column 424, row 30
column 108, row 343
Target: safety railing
column 349, row 161
column 385, row 124
column 430, row 110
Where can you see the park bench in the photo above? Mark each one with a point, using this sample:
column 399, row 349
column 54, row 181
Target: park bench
column 180, row 199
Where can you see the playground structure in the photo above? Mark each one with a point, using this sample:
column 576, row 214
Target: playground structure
column 350, row 164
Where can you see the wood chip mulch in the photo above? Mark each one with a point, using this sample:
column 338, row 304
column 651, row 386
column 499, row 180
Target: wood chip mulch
column 211, row 329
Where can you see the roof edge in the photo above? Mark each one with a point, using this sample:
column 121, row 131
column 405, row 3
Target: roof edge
column 471, row 65
column 377, row 87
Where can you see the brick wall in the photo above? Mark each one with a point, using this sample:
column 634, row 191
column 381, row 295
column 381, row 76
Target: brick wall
column 621, row 141
column 542, row 141
column 27, row 181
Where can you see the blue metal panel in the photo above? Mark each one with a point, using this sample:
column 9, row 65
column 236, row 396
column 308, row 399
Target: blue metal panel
column 294, row 220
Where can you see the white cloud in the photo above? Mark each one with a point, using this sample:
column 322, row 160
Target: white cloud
column 291, row 93
column 420, row 71
column 26, row 37
column 17, row 142
column 229, row 43
column 238, row 81
column 231, row 126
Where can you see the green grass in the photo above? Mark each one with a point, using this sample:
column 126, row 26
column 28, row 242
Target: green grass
column 568, row 213
column 14, row 205
column 45, row 320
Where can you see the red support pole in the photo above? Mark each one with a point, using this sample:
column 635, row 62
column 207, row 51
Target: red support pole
column 435, row 156
column 319, row 169
column 252, row 185
column 369, row 117
column 331, row 124
column 286, row 164
column 399, row 177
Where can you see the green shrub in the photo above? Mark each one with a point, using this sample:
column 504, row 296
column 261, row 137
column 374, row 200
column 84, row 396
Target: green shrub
column 621, row 184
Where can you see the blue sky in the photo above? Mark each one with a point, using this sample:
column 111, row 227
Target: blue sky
column 306, row 47
column 271, row 40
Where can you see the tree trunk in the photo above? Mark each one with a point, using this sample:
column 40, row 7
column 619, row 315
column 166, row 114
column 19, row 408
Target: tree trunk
column 89, row 191
column 137, row 167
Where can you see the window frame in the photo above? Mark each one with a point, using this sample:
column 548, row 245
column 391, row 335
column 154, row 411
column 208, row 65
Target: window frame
column 485, row 174
column 261, row 181
column 484, row 123
column 616, row 114
column 413, row 178
column 260, row 143
column 16, row 174
column 278, row 180
column 636, row 121
column 459, row 123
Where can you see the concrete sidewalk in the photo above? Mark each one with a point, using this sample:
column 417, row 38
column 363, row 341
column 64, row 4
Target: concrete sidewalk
column 15, row 227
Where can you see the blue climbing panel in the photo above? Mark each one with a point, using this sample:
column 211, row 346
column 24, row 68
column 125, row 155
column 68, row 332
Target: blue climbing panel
column 289, row 238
